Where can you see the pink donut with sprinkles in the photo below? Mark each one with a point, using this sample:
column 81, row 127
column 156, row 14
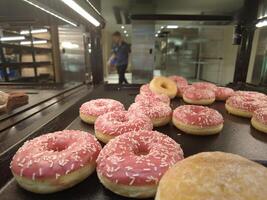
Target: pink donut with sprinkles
column 144, row 89
column 113, row 124
column 181, row 83
column 245, row 105
column 205, row 86
column 90, row 110
column 223, row 93
column 55, row 161
column 251, row 94
column 259, row 119
column 132, row 164
column 193, row 95
column 197, row 120
column 159, row 113
column 152, row 97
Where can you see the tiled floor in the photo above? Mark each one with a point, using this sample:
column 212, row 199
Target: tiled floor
column 114, row 78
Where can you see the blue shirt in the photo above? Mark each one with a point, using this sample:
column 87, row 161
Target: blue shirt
column 121, row 53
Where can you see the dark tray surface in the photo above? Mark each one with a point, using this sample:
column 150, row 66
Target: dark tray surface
column 237, row 137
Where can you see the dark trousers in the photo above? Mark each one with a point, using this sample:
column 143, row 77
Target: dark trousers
column 121, row 69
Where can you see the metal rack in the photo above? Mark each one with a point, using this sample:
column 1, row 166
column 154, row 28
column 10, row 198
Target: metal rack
column 19, row 49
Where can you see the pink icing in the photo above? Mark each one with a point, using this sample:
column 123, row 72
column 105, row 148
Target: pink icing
column 119, row 122
column 261, row 115
column 55, row 154
column 98, row 107
column 205, row 85
column 152, row 97
column 179, row 80
column 198, row 94
column 247, row 102
column 198, row 115
column 223, row 93
column 138, row 158
column 181, row 83
column 144, row 89
column 152, row 110
column 250, row 94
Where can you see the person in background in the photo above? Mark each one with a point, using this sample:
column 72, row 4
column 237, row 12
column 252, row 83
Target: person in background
column 120, row 55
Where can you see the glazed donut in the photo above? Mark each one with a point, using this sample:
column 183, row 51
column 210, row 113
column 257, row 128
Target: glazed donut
column 259, row 119
column 152, row 97
column 163, row 85
column 245, row 105
column 222, row 93
column 112, row 124
column 193, row 95
column 144, row 89
column 214, row 175
column 132, row 164
column 181, row 83
column 197, row 120
column 55, row 161
column 159, row 113
column 90, row 110
column 205, row 86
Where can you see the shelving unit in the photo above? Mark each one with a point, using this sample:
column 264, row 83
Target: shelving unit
column 31, row 62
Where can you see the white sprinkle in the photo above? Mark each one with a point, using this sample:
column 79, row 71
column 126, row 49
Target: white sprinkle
column 33, row 176
column 57, row 175
column 40, row 171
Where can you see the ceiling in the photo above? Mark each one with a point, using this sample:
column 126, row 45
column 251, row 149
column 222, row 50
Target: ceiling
column 19, row 13
column 193, row 7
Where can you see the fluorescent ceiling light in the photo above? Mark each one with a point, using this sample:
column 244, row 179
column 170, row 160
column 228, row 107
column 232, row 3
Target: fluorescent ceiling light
column 172, row 26
column 34, row 42
column 49, row 11
column 156, row 35
column 26, row 32
column 13, row 38
column 77, row 8
column 93, row 7
column 125, row 31
column 162, row 27
column 122, row 27
column 126, row 35
column 261, row 24
column 158, row 31
column 69, row 45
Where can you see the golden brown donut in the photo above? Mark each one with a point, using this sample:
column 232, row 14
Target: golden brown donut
column 163, row 85
column 214, row 176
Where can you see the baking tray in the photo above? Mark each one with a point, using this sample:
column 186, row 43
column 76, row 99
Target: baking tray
column 237, row 137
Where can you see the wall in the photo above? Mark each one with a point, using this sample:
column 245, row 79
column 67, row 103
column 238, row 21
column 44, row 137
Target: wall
column 219, row 45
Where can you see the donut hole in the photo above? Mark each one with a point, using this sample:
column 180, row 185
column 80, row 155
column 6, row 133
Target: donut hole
column 57, row 146
column 141, row 151
column 99, row 104
column 164, row 85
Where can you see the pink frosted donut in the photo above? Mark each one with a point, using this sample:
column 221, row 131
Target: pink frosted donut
column 144, row 89
column 55, row 161
column 193, row 95
column 197, row 120
column 159, row 113
column 152, row 97
column 259, row 119
column 252, row 94
column 205, row 85
column 181, row 83
column 112, row 124
column 245, row 105
column 133, row 163
column 222, row 93
column 90, row 110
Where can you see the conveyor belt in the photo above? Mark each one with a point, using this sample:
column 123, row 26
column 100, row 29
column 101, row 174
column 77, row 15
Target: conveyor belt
column 237, row 137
